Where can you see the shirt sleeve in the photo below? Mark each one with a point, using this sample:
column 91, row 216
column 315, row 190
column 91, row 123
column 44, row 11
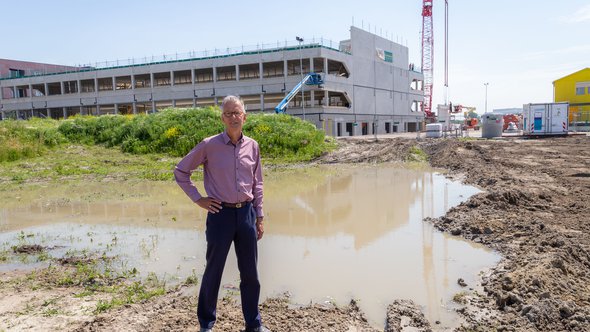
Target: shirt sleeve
column 257, row 188
column 184, row 169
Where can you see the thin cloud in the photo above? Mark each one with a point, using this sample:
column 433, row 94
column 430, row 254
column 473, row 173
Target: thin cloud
column 581, row 15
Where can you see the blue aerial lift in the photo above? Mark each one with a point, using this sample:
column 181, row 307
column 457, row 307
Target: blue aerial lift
column 309, row 79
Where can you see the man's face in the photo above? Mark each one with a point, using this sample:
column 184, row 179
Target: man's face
column 233, row 116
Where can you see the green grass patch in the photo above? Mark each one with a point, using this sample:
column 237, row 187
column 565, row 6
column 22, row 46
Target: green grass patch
column 133, row 293
column 91, row 275
column 86, row 162
column 26, row 139
column 192, row 279
column 3, row 256
column 468, row 139
column 415, row 154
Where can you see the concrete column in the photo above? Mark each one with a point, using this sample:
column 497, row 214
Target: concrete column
column 61, row 85
column 173, row 102
column 285, row 69
column 260, row 71
column 48, row 112
column 65, row 112
column 237, row 73
column 262, row 101
column 171, row 78
column 312, row 98
column 97, row 109
column 114, row 84
column 326, row 100
column 311, row 69
column 15, row 92
column 81, row 108
column 133, row 82
column 95, row 86
column 214, row 74
column 116, row 108
column 17, row 112
column 153, row 106
column 152, row 80
column 326, row 66
column 194, row 86
column 78, row 86
column 134, row 107
column 2, row 115
column 31, row 90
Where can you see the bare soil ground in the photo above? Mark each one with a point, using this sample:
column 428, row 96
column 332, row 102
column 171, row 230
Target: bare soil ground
column 534, row 210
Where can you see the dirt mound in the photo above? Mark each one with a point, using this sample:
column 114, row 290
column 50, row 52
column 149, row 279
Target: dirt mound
column 404, row 315
column 28, row 249
column 176, row 311
column 370, row 151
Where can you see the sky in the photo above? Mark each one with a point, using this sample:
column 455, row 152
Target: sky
column 518, row 47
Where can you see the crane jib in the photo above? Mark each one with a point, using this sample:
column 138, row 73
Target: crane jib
column 309, row 79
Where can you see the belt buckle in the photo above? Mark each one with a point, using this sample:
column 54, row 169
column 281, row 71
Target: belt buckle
column 238, row 205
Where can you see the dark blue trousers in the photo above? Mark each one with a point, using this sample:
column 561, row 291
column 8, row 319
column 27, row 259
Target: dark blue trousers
column 227, row 226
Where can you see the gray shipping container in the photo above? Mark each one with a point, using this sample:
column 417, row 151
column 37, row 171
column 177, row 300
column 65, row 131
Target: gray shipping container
column 545, row 119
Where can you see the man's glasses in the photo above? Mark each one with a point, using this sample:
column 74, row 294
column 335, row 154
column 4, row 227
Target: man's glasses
column 231, row 114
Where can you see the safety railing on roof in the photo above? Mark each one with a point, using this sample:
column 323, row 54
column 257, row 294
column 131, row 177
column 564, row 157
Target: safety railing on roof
column 192, row 55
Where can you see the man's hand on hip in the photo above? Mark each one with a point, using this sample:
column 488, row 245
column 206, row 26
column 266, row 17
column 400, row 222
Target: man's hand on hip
column 210, row 204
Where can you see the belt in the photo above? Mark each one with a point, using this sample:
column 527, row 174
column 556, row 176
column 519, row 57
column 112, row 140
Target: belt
column 234, row 205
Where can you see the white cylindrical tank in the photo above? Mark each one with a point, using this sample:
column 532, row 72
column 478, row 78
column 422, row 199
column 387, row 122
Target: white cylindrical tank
column 491, row 125
column 434, row 130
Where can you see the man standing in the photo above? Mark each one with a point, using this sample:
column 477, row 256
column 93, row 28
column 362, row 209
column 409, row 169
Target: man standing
column 233, row 183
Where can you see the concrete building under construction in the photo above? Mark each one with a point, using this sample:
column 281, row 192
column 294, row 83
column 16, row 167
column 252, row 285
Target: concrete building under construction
column 369, row 86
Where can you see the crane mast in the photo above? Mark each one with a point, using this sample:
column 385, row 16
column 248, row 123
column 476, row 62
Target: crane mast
column 427, row 56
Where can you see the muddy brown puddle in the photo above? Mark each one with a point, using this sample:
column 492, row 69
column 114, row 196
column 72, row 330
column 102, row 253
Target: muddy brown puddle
column 333, row 233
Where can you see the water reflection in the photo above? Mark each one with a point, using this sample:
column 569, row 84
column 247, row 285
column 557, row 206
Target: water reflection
column 365, row 203
column 331, row 233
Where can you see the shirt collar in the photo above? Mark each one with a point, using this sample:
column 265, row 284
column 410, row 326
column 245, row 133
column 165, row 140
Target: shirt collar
column 227, row 140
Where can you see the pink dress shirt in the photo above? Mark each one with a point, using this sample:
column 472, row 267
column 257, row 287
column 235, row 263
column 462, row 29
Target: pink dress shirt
column 232, row 173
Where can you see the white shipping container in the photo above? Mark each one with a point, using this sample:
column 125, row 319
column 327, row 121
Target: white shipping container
column 545, row 119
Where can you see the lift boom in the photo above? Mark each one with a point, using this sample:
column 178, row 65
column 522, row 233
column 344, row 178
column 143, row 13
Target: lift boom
column 309, row 79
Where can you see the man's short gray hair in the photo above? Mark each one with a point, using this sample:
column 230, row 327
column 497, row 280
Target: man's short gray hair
column 232, row 100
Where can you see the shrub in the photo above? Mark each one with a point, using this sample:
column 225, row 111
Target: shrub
column 24, row 139
column 177, row 131
column 171, row 131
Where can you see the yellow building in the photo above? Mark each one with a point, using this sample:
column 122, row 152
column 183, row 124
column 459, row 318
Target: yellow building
column 575, row 89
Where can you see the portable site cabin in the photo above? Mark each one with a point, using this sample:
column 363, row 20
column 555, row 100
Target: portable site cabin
column 545, row 119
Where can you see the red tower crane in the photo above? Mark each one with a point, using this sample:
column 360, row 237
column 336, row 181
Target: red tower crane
column 427, row 56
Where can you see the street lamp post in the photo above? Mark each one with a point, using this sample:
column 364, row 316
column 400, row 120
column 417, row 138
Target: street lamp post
column 300, row 40
column 486, row 84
